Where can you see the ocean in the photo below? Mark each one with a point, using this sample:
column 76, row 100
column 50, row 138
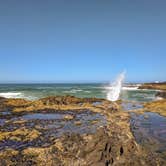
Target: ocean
column 36, row 91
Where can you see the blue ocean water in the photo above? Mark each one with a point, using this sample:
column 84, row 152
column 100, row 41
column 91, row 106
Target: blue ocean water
column 36, row 91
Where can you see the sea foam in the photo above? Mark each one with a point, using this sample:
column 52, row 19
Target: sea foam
column 12, row 95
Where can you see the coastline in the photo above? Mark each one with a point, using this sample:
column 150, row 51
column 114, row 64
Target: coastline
column 109, row 143
column 156, row 86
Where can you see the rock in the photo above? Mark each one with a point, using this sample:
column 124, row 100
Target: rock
column 78, row 123
column 157, row 86
column 158, row 106
column 161, row 94
column 2, row 98
column 110, row 144
column 56, row 103
column 21, row 134
column 64, row 100
column 68, row 117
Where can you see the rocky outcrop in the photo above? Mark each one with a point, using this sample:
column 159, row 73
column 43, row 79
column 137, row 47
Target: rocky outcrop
column 64, row 100
column 161, row 94
column 104, row 139
column 156, row 86
column 158, row 106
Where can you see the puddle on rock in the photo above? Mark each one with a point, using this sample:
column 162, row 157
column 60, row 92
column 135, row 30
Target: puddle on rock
column 131, row 106
column 43, row 116
column 149, row 129
column 5, row 113
column 53, row 125
column 2, row 122
column 97, row 103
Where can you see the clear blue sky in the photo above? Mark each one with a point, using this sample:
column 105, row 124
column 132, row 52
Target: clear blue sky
column 82, row 40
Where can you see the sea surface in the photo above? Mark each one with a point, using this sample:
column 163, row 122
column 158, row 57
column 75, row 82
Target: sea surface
column 36, row 91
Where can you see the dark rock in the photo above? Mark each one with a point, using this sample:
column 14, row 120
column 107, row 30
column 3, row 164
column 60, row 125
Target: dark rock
column 161, row 94
column 64, row 100
column 157, row 86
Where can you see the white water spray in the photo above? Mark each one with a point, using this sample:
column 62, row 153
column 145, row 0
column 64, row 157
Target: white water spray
column 115, row 88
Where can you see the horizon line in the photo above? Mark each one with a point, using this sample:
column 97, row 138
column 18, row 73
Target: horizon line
column 86, row 82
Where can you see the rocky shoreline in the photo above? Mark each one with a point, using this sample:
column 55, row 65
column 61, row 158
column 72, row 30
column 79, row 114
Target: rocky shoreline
column 158, row 106
column 68, row 131
column 156, row 86
column 161, row 94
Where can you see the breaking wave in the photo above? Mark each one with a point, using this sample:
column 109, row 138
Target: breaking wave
column 124, row 88
column 12, row 95
column 73, row 91
column 17, row 95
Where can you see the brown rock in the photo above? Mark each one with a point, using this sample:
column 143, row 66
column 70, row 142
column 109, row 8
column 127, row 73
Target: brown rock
column 161, row 94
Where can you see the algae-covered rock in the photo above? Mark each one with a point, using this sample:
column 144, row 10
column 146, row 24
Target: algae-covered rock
column 68, row 117
column 8, row 157
column 161, row 94
column 21, row 134
column 17, row 102
column 64, row 100
column 56, row 103
column 88, row 134
column 156, row 86
column 158, row 106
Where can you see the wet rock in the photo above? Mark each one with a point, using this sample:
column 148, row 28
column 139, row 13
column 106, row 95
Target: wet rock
column 161, row 94
column 56, row 103
column 157, row 86
column 87, row 134
column 17, row 102
column 68, row 117
column 156, row 106
column 77, row 123
column 21, row 134
column 8, row 157
column 64, row 100
column 2, row 99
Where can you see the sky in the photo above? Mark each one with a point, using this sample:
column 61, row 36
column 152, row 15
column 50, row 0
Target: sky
column 82, row 40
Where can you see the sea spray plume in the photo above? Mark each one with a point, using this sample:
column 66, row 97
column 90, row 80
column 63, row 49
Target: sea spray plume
column 115, row 88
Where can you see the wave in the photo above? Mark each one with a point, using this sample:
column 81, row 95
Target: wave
column 18, row 95
column 130, row 88
column 87, row 91
column 43, row 88
column 73, row 91
column 12, row 95
column 124, row 88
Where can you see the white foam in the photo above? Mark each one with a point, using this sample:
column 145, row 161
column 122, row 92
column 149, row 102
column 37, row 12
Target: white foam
column 130, row 88
column 12, row 95
column 73, row 91
column 123, row 88
column 159, row 98
column 41, row 88
column 17, row 95
column 87, row 91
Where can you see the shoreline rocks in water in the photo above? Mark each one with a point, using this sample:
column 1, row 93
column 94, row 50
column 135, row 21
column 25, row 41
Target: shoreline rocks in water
column 155, row 86
column 82, row 133
column 158, row 106
column 161, row 94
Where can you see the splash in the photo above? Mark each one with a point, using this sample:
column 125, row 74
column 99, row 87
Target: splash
column 115, row 88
